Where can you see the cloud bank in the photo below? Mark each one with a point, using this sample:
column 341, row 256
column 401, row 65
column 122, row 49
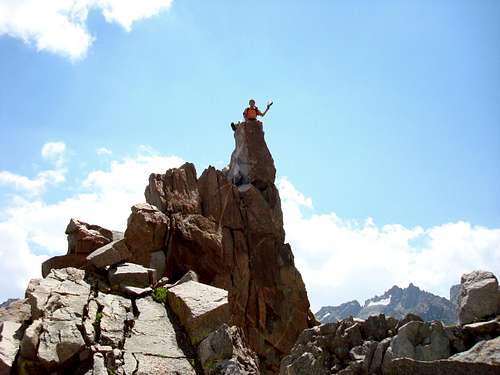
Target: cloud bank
column 341, row 260
column 60, row 26
column 32, row 228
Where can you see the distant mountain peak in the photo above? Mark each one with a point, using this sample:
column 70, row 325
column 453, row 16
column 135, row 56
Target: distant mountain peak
column 395, row 302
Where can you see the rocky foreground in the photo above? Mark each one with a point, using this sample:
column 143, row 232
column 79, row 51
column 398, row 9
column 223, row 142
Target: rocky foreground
column 411, row 346
column 202, row 282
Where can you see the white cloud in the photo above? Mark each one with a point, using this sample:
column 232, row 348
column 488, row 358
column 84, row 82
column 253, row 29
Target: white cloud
column 54, row 151
column 104, row 198
column 51, row 151
column 104, row 151
column 60, row 26
column 341, row 260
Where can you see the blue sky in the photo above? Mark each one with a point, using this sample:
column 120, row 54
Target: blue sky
column 385, row 110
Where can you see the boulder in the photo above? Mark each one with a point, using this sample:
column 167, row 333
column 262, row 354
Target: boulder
column 421, row 341
column 176, row 191
column 63, row 261
column 200, row 308
column 224, row 351
column 84, row 238
column 129, row 274
column 147, row 233
column 59, row 341
column 110, row 254
column 487, row 351
column 479, row 297
column 10, row 335
column 62, row 295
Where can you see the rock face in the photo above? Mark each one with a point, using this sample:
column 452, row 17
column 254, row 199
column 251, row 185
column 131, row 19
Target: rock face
column 455, row 294
column 479, row 297
column 228, row 228
column 251, row 161
column 397, row 303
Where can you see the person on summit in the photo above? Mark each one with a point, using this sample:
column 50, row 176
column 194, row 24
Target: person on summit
column 251, row 112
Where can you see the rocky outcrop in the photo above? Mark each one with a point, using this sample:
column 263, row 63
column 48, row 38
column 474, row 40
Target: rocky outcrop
column 387, row 346
column 224, row 351
column 397, row 303
column 228, row 228
column 479, row 297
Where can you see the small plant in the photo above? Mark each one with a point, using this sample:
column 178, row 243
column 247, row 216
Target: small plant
column 98, row 317
column 160, row 295
column 111, row 371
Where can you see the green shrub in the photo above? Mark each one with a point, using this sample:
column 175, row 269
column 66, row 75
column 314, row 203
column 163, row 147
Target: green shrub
column 98, row 317
column 160, row 295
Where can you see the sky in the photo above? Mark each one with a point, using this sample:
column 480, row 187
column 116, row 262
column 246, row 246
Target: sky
column 385, row 129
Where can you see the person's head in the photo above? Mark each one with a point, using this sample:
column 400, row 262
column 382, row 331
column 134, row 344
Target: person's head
column 251, row 102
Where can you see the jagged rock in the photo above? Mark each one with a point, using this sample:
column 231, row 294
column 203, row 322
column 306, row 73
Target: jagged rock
column 84, row 238
column 196, row 244
column 129, row 274
column 200, row 308
column 421, row 341
column 479, row 297
column 62, row 295
column 59, row 341
column 220, row 199
column 375, row 327
column 113, row 310
column 31, row 339
column 225, row 352
column 175, row 191
column 232, row 236
column 63, row 261
column 10, row 333
column 16, row 311
column 110, row 254
column 251, row 161
column 147, row 232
